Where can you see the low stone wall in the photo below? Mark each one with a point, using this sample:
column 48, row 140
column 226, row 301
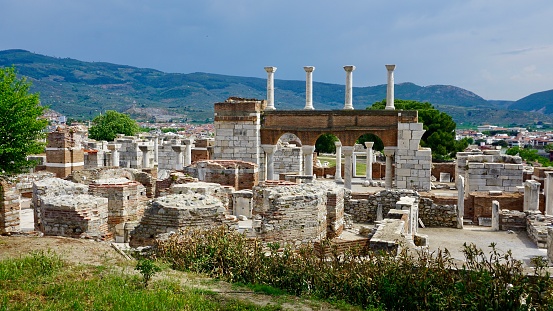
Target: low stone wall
column 479, row 204
column 147, row 179
column 338, row 246
column 75, row 215
column 223, row 193
column 537, row 226
column 174, row 212
column 512, row 220
column 364, row 207
column 9, row 207
column 234, row 173
column 438, row 168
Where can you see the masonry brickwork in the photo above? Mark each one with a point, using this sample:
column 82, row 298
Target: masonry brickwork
column 234, row 173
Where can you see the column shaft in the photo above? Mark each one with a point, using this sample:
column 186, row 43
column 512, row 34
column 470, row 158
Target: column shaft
column 308, row 162
column 309, row 87
column 390, row 88
column 389, row 153
column 338, row 174
column 348, row 167
column 369, row 161
column 348, row 105
column 270, row 88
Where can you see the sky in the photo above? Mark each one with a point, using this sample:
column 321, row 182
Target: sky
column 498, row 49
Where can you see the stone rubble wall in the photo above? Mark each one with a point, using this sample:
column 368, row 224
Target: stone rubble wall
column 537, row 226
column 287, row 160
column 512, row 220
column 177, row 211
column 479, row 204
column 363, row 207
column 130, row 155
column 75, row 215
column 492, row 172
column 413, row 163
column 166, row 156
column 293, row 213
column 234, row 173
column 223, row 193
column 52, row 187
column 147, row 177
column 9, row 207
column 335, row 212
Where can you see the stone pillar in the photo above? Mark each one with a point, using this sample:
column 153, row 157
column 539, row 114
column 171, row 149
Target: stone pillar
column 187, row 151
column 348, row 167
column 270, row 88
column 548, row 191
column 114, row 154
column 349, row 88
column 379, row 215
column 178, row 151
column 338, row 174
column 309, row 87
column 145, row 156
column 531, row 195
column 495, row 215
column 389, row 153
column 460, row 200
column 156, row 149
column 390, row 89
column 369, row 161
column 270, row 162
column 307, row 152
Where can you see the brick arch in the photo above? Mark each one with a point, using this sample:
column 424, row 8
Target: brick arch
column 347, row 125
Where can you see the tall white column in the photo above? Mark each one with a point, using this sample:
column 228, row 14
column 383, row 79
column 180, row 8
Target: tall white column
column 145, row 156
column 495, row 215
column 156, row 149
column 270, row 162
column 460, row 181
column 389, row 153
column 309, row 87
column 348, row 105
column 187, row 151
column 390, row 89
column 348, row 166
column 178, row 152
column 308, row 159
column 270, row 88
column 114, row 154
column 548, row 191
column 369, row 161
column 338, row 174
column 531, row 195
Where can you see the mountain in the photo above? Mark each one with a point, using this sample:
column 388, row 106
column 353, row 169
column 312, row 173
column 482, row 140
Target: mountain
column 539, row 102
column 83, row 89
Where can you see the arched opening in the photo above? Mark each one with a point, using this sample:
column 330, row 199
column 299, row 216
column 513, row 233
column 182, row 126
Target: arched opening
column 369, row 163
column 288, row 156
column 326, row 160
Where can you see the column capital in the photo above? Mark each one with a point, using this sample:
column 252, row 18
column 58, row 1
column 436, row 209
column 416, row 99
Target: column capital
column 389, row 151
column 146, row 148
column 178, row 148
column 269, row 149
column 270, row 69
column 347, row 150
column 309, row 68
column 349, row 68
column 114, row 146
column 307, row 149
column 390, row 67
column 369, row 144
column 338, row 143
column 189, row 141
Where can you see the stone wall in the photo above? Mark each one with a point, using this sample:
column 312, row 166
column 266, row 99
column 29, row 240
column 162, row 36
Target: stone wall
column 479, row 204
column 223, row 193
column 438, row 168
column 9, row 207
column 234, row 173
column 413, row 163
column 80, row 215
column 287, row 159
column 64, row 151
column 130, row 155
column 492, row 172
column 174, row 212
column 364, row 208
column 335, row 212
column 146, row 178
column 512, row 220
column 537, row 227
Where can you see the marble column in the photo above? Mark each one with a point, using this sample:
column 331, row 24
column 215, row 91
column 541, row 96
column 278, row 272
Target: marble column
column 269, row 160
column 389, row 153
column 187, row 151
column 390, row 89
column 114, row 154
column 338, row 174
column 178, row 153
column 309, row 87
column 348, row 166
column 270, row 88
column 145, row 155
column 156, row 149
column 495, row 215
column 307, row 152
column 369, row 161
column 531, row 195
column 460, row 183
column 348, row 105
column 548, row 191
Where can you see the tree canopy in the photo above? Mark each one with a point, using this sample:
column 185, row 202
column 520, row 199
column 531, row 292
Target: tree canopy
column 108, row 125
column 21, row 127
column 325, row 143
column 439, row 128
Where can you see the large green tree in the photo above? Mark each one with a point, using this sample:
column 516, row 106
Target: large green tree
column 440, row 128
column 21, row 127
column 325, row 143
column 108, row 125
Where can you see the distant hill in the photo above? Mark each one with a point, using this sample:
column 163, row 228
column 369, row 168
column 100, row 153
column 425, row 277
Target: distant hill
column 82, row 89
column 539, row 102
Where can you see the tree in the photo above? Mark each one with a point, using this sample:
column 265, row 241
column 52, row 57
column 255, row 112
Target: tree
column 325, row 143
column 439, row 128
column 378, row 144
column 108, row 125
column 21, row 127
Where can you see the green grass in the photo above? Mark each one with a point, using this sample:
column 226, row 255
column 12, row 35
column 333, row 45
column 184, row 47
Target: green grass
column 360, row 168
column 42, row 281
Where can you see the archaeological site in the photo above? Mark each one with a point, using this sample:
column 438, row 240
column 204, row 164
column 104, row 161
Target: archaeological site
column 260, row 175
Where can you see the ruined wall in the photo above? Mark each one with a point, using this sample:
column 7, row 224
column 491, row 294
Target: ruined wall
column 438, row 168
column 364, row 207
column 492, row 172
column 295, row 213
column 130, row 155
column 335, row 212
column 75, row 215
column 537, row 226
column 413, row 163
column 511, row 220
column 234, row 173
column 287, row 159
column 479, row 204
column 9, row 207
column 64, row 151
column 174, row 212
column 147, row 177
column 223, row 193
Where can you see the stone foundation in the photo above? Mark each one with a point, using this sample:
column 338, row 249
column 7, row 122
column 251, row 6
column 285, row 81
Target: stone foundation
column 233, row 173
column 9, row 207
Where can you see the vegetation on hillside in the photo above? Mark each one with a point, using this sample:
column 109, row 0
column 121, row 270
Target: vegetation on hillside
column 425, row 281
column 439, row 128
column 108, row 125
column 20, row 123
column 529, row 155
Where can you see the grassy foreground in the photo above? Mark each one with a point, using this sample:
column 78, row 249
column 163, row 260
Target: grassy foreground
column 42, row 281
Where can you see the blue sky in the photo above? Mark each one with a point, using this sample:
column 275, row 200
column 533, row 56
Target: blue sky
column 499, row 49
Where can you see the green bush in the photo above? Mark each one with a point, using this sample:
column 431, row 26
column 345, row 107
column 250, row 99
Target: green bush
column 424, row 281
